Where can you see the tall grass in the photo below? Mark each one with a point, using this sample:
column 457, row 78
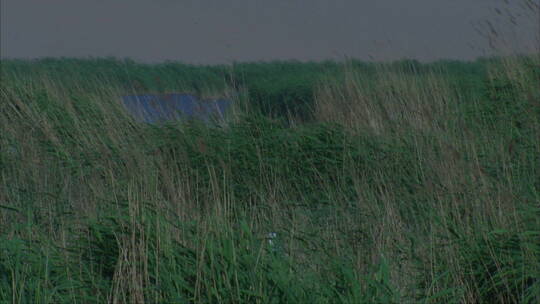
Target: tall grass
column 466, row 205
column 404, row 185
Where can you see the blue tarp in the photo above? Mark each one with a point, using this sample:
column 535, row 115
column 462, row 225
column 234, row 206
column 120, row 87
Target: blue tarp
column 164, row 107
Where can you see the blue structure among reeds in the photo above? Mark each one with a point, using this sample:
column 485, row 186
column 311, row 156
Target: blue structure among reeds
column 156, row 108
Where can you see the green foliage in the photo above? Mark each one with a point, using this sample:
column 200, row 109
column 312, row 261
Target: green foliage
column 306, row 157
column 256, row 147
column 348, row 287
column 500, row 268
column 33, row 272
column 502, row 265
column 96, row 208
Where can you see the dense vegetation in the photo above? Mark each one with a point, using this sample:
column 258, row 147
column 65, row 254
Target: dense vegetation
column 329, row 183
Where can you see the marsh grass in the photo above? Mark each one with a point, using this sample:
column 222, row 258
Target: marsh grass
column 403, row 186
